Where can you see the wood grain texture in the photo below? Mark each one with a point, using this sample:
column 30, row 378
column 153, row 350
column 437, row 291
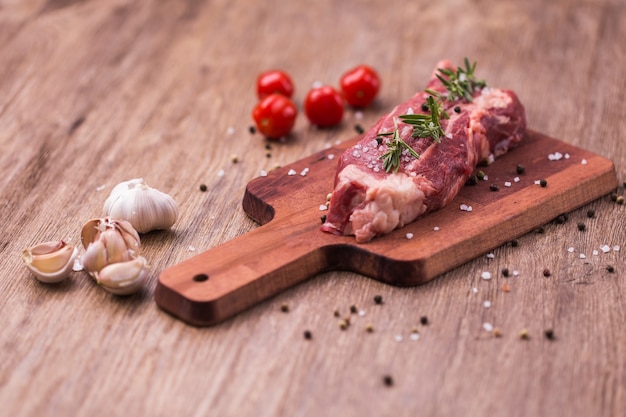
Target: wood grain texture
column 96, row 92
column 290, row 247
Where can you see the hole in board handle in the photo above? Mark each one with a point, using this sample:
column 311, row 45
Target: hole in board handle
column 200, row 277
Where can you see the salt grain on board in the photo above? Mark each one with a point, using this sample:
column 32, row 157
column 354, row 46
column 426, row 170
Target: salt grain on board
column 465, row 207
column 323, row 207
column 605, row 248
column 488, row 327
column 570, row 249
column 409, row 236
column 486, row 275
column 291, row 172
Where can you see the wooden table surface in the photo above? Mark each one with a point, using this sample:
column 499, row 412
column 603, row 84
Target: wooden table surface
column 93, row 93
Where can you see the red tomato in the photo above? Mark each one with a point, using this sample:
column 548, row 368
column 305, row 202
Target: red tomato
column 275, row 116
column 323, row 106
column 274, row 81
column 360, row 86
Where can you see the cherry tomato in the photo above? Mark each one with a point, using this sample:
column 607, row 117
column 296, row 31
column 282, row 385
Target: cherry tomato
column 275, row 116
column 323, row 106
column 274, row 81
column 360, row 86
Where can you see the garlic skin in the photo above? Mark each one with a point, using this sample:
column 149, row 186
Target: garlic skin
column 146, row 208
column 108, row 241
column 50, row 262
column 124, row 278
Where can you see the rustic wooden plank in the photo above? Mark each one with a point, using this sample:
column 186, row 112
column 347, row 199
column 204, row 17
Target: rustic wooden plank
column 97, row 92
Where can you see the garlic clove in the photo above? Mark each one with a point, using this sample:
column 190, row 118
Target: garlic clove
column 146, row 208
column 124, row 278
column 94, row 228
column 108, row 241
column 50, row 262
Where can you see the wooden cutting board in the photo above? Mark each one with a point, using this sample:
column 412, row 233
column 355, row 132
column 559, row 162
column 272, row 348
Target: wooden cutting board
column 288, row 247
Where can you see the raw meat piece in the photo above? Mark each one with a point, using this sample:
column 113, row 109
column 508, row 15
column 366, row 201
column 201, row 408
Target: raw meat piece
column 368, row 201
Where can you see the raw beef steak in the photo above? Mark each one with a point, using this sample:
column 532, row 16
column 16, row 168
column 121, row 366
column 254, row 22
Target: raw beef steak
column 368, row 201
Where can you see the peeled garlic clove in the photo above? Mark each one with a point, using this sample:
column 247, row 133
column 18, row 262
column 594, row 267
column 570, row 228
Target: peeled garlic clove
column 146, row 208
column 50, row 262
column 124, row 278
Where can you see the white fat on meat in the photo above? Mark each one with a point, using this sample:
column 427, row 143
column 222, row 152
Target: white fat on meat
column 388, row 203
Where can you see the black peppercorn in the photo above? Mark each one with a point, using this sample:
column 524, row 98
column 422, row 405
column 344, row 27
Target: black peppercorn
column 358, row 128
column 610, row 269
column 543, row 183
column 388, row 380
column 546, row 272
column 323, row 218
column 252, row 130
column 203, row 187
column 424, row 320
column 353, row 309
column 515, row 243
column 505, row 272
column 549, row 334
column 591, row 214
column 457, row 109
column 284, row 308
column 581, row 227
column 308, row 335
column 472, row 180
column 520, row 169
column 424, row 107
column 378, row 299
column 494, row 187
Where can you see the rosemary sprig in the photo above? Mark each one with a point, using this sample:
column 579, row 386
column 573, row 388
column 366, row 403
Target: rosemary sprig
column 391, row 158
column 428, row 125
column 461, row 83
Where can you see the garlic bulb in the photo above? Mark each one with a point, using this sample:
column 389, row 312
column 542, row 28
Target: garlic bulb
column 146, row 208
column 108, row 241
column 50, row 262
column 124, row 278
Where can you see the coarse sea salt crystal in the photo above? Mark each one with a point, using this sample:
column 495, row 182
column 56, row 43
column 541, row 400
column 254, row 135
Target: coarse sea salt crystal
column 516, row 179
column 414, row 336
column 507, row 183
column 304, row 172
column 465, row 207
column 570, row 249
column 230, row 130
column 436, row 228
column 582, row 256
column 361, row 313
column 358, row 115
column 487, row 304
column 263, row 173
column 488, row 327
column 100, row 187
column 515, row 273
column 220, row 173
column 475, row 290
column 486, row 178
column 605, row 248
column 566, row 156
column 398, row 338
column 192, row 248
column 330, row 156
column 537, row 182
column 486, row 275
column 323, row 207
column 616, row 248
column 78, row 266
column 409, row 235
column 291, row 172
column 555, row 156
column 584, row 162
column 595, row 252
column 491, row 255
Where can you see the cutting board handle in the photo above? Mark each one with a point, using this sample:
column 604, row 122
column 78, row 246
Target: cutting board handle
column 230, row 278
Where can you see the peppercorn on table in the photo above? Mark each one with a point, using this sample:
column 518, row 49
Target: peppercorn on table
column 95, row 93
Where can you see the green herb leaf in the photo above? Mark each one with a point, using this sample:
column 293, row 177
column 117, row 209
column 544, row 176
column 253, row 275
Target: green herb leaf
column 460, row 83
column 391, row 158
column 428, row 125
